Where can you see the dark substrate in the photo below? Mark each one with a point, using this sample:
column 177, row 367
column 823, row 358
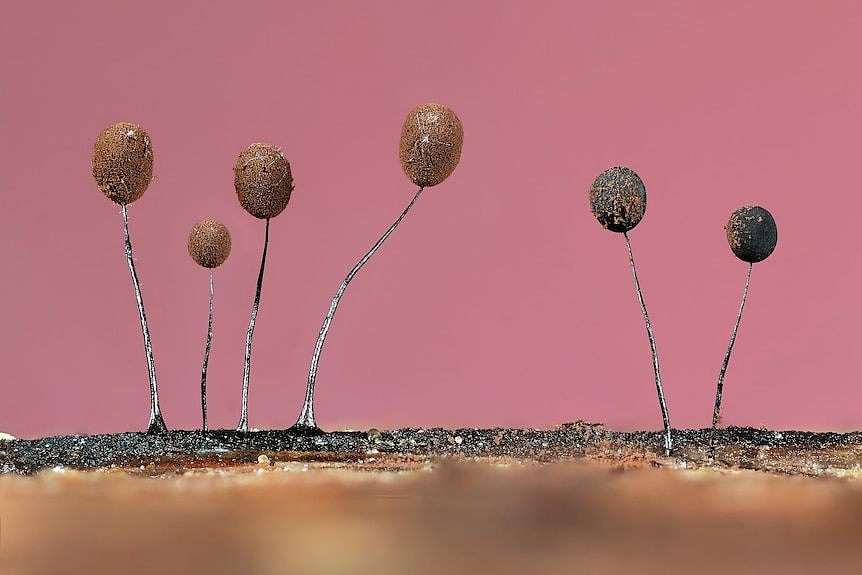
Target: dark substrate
column 791, row 452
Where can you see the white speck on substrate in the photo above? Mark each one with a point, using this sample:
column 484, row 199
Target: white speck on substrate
column 459, row 440
column 130, row 133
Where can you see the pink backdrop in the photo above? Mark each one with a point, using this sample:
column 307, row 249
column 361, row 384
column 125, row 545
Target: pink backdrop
column 500, row 301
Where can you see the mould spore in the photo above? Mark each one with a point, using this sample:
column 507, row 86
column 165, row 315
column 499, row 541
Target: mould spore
column 263, row 180
column 751, row 233
column 209, row 243
column 123, row 168
column 209, row 246
column 431, row 140
column 263, row 183
column 123, row 162
column 618, row 199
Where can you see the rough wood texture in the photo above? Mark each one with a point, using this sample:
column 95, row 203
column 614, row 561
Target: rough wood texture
column 784, row 452
column 577, row 499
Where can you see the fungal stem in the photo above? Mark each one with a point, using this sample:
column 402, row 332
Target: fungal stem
column 156, row 423
column 243, row 420
column 716, row 412
column 207, row 357
column 668, row 440
column 306, row 422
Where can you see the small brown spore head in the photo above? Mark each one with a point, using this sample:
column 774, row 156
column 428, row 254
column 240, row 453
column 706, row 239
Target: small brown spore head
column 751, row 233
column 618, row 199
column 263, row 180
column 209, row 243
column 431, row 141
column 123, row 162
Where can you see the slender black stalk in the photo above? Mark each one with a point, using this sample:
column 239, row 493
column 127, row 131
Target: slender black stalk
column 207, row 357
column 668, row 440
column 243, row 420
column 156, row 423
column 306, row 421
column 716, row 412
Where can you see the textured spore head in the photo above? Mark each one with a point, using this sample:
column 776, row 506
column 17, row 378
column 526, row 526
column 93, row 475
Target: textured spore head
column 751, row 233
column 263, row 180
column 431, row 141
column 618, row 199
column 209, row 243
column 123, row 162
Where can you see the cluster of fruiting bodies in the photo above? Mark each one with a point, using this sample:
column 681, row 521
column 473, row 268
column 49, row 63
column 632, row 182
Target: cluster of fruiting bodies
column 430, row 149
column 618, row 201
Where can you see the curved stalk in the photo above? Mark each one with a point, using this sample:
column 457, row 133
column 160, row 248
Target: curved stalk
column 207, row 357
column 306, row 422
column 156, row 423
column 243, row 420
column 716, row 412
column 668, row 439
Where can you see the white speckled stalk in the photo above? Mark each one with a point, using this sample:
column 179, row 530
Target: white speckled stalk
column 716, row 411
column 243, row 420
column 207, row 357
column 306, row 421
column 156, row 423
column 668, row 439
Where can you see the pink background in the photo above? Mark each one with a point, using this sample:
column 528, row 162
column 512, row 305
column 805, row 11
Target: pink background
column 500, row 301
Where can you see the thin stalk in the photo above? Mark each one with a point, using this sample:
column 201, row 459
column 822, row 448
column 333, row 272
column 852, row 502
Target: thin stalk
column 243, row 420
column 207, row 357
column 306, row 421
column 716, row 412
column 668, row 440
column 156, row 423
